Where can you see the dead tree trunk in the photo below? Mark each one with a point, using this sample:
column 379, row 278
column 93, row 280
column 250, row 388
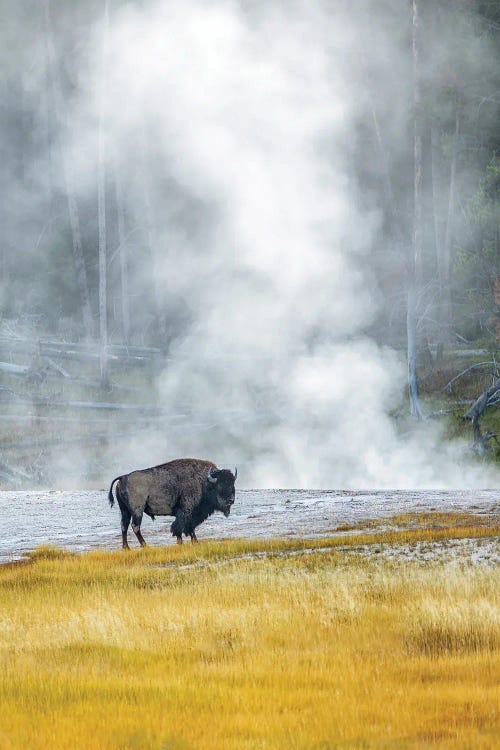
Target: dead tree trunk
column 101, row 210
column 489, row 397
column 443, row 328
column 152, row 241
column 123, row 251
column 417, row 148
column 496, row 301
column 411, row 333
column 415, row 265
column 446, row 249
column 389, row 193
column 80, row 270
column 46, row 122
column 411, row 319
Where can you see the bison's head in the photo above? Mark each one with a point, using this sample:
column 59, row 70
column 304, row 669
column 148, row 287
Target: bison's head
column 221, row 488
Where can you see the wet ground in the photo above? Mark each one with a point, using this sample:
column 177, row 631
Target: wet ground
column 79, row 521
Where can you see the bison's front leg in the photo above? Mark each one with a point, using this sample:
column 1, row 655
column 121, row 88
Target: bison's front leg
column 178, row 527
column 189, row 531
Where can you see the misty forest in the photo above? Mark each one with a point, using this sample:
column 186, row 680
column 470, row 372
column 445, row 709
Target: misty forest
column 258, row 231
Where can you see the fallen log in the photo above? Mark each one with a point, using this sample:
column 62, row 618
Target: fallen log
column 25, row 371
column 14, row 369
column 444, row 412
column 58, row 368
column 39, row 444
column 468, row 369
column 76, row 350
column 106, row 405
column 83, row 420
column 13, row 474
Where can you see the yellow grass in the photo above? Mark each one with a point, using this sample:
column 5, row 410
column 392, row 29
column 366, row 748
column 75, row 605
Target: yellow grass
column 212, row 647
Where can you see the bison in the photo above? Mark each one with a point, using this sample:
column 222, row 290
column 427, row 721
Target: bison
column 188, row 488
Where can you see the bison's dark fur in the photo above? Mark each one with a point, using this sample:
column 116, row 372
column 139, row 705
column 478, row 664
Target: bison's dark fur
column 188, row 488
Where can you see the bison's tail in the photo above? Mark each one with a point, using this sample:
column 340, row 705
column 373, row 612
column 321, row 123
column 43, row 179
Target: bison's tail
column 110, row 493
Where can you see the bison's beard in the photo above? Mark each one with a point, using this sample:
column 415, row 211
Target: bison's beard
column 227, row 511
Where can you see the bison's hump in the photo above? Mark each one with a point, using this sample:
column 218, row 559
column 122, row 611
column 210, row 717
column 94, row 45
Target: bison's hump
column 190, row 463
column 185, row 469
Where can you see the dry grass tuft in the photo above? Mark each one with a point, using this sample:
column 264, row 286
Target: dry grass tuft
column 459, row 627
column 47, row 552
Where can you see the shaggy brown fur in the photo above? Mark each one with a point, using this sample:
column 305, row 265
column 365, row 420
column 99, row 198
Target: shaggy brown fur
column 188, row 488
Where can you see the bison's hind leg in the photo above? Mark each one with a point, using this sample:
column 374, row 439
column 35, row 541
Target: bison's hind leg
column 136, row 527
column 125, row 524
column 126, row 516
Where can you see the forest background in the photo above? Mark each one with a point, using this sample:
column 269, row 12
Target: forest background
column 229, row 227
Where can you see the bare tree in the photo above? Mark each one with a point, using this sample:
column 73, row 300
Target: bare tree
column 46, row 120
column 151, row 236
column 122, row 251
column 445, row 265
column 442, row 333
column 80, row 270
column 101, row 210
column 384, row 161
column 415, row 264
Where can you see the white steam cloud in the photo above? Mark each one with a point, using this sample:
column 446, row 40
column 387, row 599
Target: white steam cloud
column 250, row 112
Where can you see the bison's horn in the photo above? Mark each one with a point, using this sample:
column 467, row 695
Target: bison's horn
column 210, row 476
column 235, row 472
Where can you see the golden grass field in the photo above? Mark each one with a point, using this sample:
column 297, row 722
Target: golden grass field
column 253, row 645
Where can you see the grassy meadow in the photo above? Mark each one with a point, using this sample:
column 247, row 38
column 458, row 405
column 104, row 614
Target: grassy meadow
column 242, row 645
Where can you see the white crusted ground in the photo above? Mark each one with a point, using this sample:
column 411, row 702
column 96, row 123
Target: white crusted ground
column 484, row 552
column 79, row 521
